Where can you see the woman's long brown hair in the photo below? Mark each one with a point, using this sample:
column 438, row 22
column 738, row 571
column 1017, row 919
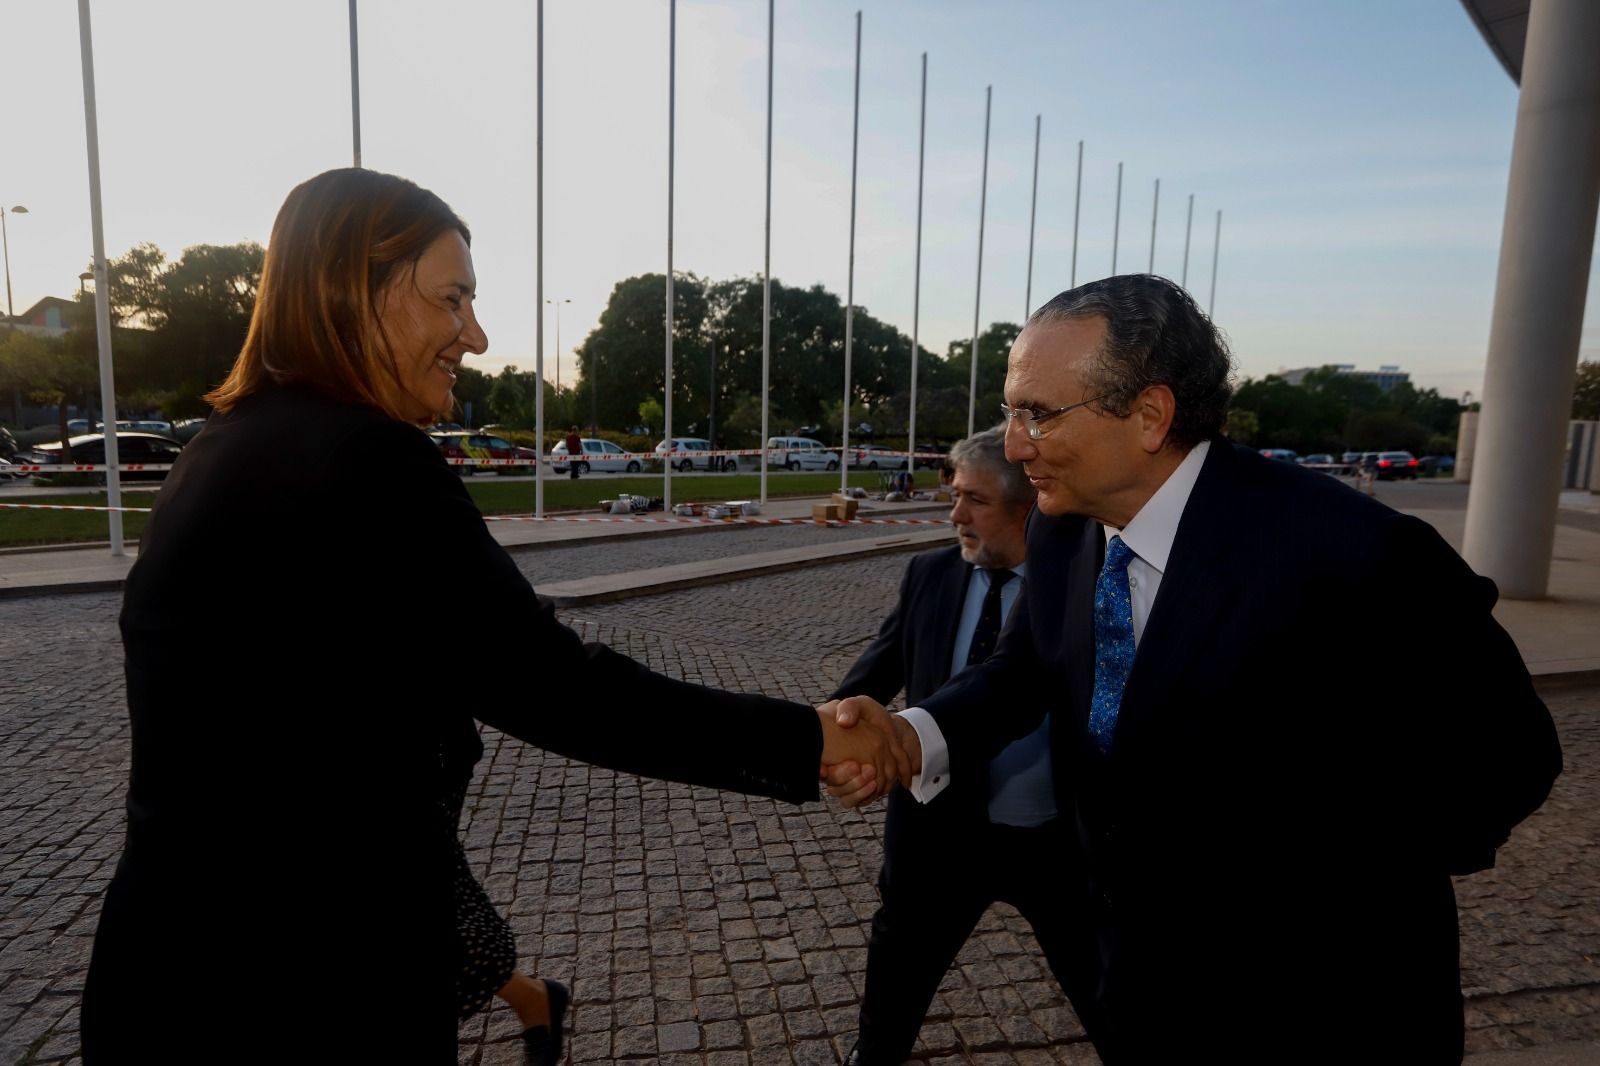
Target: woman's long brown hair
column 339, row 239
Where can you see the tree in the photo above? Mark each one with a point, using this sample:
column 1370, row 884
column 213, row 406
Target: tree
column 50, row 370
column 1586, row 393
column 1242, row 425
column 652, row 415
column 177, row 326
column 721, row 322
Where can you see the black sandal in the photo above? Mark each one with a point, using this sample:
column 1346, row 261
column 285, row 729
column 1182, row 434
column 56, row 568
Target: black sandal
column 543, row 1042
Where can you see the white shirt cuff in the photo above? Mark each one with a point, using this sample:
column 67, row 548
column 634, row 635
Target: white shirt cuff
column 935, row 775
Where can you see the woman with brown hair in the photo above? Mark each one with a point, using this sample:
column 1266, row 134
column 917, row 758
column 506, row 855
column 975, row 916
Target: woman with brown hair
column 292, row 886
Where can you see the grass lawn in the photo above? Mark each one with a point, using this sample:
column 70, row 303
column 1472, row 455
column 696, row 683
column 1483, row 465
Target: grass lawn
column 493, row 495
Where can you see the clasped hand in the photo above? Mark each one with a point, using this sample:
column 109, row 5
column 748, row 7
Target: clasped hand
column 866, row 750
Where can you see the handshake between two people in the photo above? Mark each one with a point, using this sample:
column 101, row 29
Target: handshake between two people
column 866, row 750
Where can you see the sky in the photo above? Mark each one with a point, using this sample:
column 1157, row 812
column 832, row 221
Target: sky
column 1357, row 149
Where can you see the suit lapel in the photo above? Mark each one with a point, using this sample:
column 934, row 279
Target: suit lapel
column 1077, row 624
column 945, row 619
column 1200, row 583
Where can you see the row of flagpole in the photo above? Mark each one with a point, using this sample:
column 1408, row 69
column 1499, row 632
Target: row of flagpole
column 102, row 288
column 766, row 270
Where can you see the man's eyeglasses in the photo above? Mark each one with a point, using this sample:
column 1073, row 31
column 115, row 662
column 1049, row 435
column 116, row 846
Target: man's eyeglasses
column 1031, row 419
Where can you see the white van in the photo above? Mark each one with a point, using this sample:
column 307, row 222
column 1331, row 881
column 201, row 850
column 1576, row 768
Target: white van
column 800, row 453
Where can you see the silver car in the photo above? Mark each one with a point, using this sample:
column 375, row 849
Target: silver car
column 602, row 455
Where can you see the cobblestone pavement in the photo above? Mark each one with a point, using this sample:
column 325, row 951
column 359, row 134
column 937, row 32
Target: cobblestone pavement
column 697, row 926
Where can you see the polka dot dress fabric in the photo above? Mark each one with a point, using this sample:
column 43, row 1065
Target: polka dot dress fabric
column 487, row 948
column 1113, row 641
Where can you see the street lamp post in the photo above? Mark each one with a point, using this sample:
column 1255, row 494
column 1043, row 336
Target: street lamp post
column 5, row 241
column 558, row 304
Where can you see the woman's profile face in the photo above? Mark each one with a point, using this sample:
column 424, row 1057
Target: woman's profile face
column 427, row 315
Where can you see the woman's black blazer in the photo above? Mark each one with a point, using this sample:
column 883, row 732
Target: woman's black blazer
column 316, row 619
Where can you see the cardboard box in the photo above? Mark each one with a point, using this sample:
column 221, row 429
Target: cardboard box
column 942, row 495
column 847, row 505
column 823, row 513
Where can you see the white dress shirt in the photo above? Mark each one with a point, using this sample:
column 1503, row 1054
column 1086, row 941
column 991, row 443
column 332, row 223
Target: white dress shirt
column 1149, row 534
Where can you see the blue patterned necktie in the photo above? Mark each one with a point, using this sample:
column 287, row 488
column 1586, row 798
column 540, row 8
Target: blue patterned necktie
column 1113, row 642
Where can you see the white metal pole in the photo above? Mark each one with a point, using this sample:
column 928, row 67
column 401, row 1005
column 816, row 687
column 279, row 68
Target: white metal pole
column 1155, row 209
column 672, row 132
column 355, row 88
column 916, row 284
column 766, row 275
column 1188, row 227
column 850, row 284
column 102, row 285
column 977, row 298
column 1116, row 223
column 1033, row 214
column 538, row 274
column 1077, row 202
column 1216, row 246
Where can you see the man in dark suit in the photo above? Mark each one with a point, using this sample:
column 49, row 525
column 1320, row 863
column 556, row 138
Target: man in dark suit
column 1269, row 833
column 1005, row 823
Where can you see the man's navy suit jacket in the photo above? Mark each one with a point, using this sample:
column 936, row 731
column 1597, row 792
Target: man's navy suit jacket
column 1322, row 724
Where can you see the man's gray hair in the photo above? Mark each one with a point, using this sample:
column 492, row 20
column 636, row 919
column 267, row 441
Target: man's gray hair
column 988, row 449
column 1155, row 335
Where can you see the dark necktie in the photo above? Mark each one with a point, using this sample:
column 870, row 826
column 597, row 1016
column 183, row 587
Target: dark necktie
column 989, row 619
column 1113, row 642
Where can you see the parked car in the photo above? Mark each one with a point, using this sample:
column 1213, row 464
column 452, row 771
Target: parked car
column 185, row 430
column 132, row 447
column 144, row 425
column 931, row 464
column 1319, row 459
column 8, row 444
column 874, row 457
column 483, row 446
column 695, row 446
column 597, row 455
column 1280, row 453
column 1431, row 465
column 800, row 453
column 1350, row 458
column 8, row 470
column 1388, row 466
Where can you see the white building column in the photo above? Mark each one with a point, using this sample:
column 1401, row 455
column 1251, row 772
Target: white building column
column 1545, row 251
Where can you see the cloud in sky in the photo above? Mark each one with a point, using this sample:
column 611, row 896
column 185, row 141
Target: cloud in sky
column 1359, row 151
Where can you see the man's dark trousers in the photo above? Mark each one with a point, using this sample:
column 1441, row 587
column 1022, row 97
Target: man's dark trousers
column 945, row 862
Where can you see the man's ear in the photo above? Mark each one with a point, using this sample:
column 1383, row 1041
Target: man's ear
column 1153, row 413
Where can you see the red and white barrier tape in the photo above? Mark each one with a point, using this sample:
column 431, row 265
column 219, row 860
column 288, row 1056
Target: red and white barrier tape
column 81, row 468
column 643, row 519
column 616, row 457
column 694, row 521
column 67, row 507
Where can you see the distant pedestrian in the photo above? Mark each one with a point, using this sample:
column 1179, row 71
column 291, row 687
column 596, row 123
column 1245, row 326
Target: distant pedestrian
column 574, row 451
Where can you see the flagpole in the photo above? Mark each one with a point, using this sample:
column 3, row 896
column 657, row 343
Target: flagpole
column 1188, row 227
column 355, row 87
column 538, row 271
column 977, row 299
column 672, row 133
column 1033, row 214
column 850, row 285
column 1077, row 202
column 916, row 284
column 1116, row 223
column 102, row 285
column 1155, row 209
column 1216, row 246
column 766, row 274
